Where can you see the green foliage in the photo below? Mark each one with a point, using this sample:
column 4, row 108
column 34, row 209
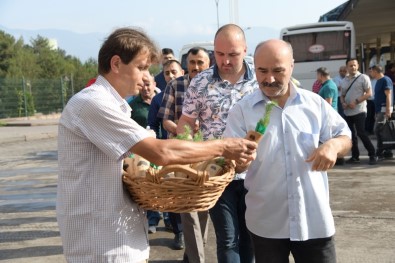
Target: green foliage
column 154, row 69
column 264, row 122
column 197, row 137
column 220, row 162
column 46, row 78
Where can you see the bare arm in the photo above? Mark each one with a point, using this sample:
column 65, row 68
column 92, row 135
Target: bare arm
column 170, row 126
column 172, row 151
column 324, row 157
column 329, row 100
column 388, row 103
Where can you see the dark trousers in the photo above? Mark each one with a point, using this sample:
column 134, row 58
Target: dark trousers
column 175, row 220
column 370, row 117
column 233, row 240
column 340, row 107
column 269, row 250
column 356, row 123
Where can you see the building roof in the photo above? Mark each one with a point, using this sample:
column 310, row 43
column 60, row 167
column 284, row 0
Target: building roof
column 371, row 19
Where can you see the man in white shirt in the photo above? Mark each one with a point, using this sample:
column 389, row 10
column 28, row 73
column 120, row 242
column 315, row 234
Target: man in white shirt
column 288, row 198
column 98, row 220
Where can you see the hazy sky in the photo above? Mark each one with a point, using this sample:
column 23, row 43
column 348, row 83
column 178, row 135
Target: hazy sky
column 177, row 19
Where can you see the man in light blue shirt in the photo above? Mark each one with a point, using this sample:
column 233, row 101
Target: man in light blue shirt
column 287, row 202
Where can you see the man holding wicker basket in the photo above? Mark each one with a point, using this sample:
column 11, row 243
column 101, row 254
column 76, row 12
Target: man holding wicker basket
column 98, row 220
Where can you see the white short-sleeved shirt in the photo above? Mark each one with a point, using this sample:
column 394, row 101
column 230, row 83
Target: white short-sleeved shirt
column 285, row 198
column 97, row 219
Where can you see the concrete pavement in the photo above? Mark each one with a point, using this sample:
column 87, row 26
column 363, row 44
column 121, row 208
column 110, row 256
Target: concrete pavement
column 362, row 199
column 26, row 129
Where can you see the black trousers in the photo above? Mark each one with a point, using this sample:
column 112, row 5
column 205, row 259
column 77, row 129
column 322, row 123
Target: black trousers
column 356, row 123
column 269, row 250
column 370, row 117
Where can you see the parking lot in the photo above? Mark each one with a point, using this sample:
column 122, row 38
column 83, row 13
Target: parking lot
column 362, row 199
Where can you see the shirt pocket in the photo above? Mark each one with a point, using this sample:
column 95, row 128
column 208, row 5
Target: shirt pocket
column 308, row 142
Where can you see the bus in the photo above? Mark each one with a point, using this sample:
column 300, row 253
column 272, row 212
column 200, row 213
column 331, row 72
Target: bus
column 322, row 44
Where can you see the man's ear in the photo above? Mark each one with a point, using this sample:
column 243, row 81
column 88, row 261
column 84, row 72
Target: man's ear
column 115, row 63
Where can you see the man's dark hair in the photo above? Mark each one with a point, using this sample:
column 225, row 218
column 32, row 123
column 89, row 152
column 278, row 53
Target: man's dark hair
column 167, row 51
column 171, row 61
column 126, row 43
column 196, row 50
column 351, row 59
column 377, row 68
column 323, row 71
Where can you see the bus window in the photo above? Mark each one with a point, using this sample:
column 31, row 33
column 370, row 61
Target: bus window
column 320, row 46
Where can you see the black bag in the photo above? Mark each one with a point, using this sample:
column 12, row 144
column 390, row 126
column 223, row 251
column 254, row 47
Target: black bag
column 387, row 132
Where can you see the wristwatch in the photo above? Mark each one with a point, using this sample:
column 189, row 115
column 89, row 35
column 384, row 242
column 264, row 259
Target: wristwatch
column 356, row 101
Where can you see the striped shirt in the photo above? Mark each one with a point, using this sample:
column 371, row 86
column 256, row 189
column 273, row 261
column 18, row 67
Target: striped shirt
column 97, row 219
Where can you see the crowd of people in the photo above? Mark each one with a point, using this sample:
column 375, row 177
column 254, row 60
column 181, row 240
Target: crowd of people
column 278, row 201
column 364, row 101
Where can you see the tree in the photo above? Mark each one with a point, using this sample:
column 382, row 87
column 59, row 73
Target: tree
column 6, row 51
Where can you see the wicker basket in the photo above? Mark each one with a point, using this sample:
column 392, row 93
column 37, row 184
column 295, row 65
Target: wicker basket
column 194, row 190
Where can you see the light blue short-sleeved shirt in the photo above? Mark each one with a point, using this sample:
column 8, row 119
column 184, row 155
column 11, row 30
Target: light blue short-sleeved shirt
column 285, row 198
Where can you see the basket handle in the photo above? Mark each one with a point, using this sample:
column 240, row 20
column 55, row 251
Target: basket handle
column 198, row 176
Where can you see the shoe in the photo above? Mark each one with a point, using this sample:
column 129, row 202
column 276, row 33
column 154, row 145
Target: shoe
column 152, row 229
column 353, row 160
column 380, row 158
column 373, row 160
column 179, row 241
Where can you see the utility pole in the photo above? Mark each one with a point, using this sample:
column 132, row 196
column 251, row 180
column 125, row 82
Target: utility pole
column 216, row 3
column 234, row 12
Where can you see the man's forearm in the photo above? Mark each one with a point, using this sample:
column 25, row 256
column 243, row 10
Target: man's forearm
column 343, row 144
column 170, row 126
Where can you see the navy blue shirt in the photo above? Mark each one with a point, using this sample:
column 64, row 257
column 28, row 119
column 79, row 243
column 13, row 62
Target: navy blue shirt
column 160, row 81
column 385, row 83
column 154, row 121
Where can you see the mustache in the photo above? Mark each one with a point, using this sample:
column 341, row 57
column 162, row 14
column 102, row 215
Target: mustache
column 271, row 85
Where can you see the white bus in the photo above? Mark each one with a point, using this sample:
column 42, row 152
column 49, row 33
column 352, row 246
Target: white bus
column 322, row 44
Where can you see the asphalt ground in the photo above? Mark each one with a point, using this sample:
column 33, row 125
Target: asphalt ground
column 362, row 200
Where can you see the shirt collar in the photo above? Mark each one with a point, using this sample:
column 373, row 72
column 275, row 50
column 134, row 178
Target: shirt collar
column 353, row 77
column 248, row 75
column 102, row 81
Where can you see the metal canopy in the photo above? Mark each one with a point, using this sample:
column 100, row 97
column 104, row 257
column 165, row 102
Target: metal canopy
column 373, row 19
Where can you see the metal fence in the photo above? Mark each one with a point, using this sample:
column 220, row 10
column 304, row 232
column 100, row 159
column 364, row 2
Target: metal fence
column 26, row 97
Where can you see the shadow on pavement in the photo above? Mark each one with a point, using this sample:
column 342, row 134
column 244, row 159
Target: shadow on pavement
column 14, row 236
column 39, row 251
column 26, row 220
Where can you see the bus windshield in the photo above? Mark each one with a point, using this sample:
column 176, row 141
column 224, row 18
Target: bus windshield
column 320, row 46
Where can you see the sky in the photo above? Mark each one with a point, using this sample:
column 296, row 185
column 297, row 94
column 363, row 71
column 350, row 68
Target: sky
column 171, row 23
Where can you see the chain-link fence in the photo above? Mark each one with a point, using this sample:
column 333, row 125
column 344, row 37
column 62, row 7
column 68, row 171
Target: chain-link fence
column 26, row 97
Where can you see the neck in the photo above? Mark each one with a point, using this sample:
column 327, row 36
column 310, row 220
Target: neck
column 233, row 78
